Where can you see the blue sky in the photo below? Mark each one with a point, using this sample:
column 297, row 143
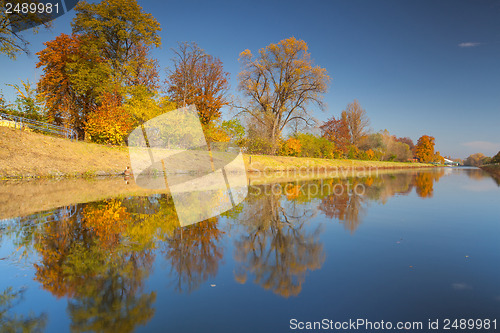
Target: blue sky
column 417, row 67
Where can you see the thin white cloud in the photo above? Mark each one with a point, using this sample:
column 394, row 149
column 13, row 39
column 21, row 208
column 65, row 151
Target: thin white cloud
column 460, row 286
column 485, row 147
column 469, row 44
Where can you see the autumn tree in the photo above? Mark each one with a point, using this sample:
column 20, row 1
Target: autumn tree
column 337, row 131
column 107, row 52
column 281, row 83
column 409, row 142
column 71, row 82
column 357, row 122
column 198, row 78
column 394, row 150
column 424, row 150
column 91, row 258
column 121, row 31
column 5, row 107
column 476, row 159
column 108, row 122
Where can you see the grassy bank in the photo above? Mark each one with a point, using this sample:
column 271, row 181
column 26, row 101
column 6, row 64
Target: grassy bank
column 27, row 154
column 259, row 163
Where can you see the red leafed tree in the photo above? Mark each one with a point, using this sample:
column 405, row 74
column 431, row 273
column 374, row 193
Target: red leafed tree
column 198, row 78
column 409, row 142
column 337, row 131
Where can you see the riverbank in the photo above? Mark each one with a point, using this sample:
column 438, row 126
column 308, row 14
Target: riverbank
column 32, row 155
column 493, row 170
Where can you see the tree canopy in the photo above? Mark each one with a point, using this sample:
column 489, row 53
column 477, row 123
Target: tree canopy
column 281, row 83
column 198, row 78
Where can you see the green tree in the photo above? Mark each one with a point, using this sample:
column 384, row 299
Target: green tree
column 313, row 146
column 28, row 103
column 496, row 158
column 235, row 130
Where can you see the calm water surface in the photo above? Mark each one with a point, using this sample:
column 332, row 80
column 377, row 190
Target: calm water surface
column 407, row 246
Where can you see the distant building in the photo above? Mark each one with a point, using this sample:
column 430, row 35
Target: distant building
column 450, row 162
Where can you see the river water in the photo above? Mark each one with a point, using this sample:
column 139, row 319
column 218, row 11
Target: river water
column 408, row 246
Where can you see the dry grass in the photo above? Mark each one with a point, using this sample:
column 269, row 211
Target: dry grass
column 259, row 163
column 25, row 154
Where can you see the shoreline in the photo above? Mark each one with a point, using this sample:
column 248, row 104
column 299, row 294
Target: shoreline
column 101, row 174
column 27, row 155
column 22, row 197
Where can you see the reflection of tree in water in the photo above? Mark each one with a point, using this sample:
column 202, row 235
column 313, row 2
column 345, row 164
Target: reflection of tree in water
column 18, row 323
column 345, row 205
column 276, row 247
column 347, row 199
column 496, row 178
column 194, row 252
column 89, row 257
column 474, row 173
column 424, row 182
column 384, row 187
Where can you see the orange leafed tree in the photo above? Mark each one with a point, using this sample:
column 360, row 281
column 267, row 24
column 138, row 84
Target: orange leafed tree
column 424, row 150
column 198, row 78
column 109, row 122
column 291, row 147
column 66, row 66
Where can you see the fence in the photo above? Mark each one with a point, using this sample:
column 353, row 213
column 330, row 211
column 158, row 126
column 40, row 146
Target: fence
column 21, row 122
